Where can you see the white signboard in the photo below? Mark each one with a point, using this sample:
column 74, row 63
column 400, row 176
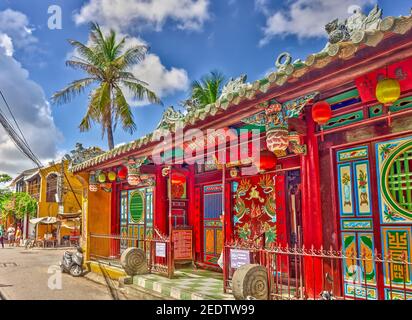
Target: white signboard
column 239, row 258
column 161, row 249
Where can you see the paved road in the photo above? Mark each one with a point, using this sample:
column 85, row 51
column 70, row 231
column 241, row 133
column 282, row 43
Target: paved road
column 24, row 275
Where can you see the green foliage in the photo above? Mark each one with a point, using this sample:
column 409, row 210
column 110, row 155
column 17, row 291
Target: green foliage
column 4, row 178
column 107, row 64
column 205, row 91
column 18, row 205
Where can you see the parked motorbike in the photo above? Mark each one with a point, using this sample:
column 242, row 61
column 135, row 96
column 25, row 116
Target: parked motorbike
column 72, row 262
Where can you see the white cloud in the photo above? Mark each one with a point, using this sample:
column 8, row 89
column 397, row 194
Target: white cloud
column 304, row 18
column 16, row 25
column 161, row 80
column 32, row 111
column 6, row 45
column 188, row 14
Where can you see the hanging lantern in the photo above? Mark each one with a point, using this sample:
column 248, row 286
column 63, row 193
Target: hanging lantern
column 388, row 91
column 178, row 179
column 102, row 178
column 277, row 139
column 321, row 112
column 267, row 161
column 111, row 176
column 133, row 179
column 122, row 174
column 93, row 188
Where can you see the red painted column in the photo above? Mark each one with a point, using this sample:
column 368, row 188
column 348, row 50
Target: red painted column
column 191, row 196
column 160, row 214
column 114, row 221
column 312, row 212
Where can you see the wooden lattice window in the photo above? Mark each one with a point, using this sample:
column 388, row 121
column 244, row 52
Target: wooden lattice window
column 397, row 180
column 51, row 188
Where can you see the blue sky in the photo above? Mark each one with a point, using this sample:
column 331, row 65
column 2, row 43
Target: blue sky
column 188, row 38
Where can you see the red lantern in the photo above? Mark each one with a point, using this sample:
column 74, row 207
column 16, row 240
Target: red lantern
column 178, row 179
column 122, row 174
column 321, row 112
column 267, row 161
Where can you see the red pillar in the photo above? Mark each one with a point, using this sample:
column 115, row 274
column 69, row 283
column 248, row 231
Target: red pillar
column 115, row 221
column 312, row 212
column 160, row 214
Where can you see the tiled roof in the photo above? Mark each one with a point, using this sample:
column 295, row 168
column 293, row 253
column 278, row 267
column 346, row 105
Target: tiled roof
column 285, row 73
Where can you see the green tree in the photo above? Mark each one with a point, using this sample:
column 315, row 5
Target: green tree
column 18, row 205
column 107, row 64
column 205, row 91
column 4, row 178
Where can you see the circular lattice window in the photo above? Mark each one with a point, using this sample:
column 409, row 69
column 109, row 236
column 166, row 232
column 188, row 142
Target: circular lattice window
column 136, row 207
column 396, row 183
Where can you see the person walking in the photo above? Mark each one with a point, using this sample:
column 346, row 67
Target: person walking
column 2, row 236
column 10, row 236
column 18, row 236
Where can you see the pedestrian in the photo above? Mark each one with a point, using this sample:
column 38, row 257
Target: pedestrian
column 10, row 235
column 18, row 236
column 2, row 236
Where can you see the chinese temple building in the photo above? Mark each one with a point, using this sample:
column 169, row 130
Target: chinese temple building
column 333, row 135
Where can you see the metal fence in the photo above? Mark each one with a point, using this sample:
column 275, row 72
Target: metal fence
column 300, row 273
column 109, row 248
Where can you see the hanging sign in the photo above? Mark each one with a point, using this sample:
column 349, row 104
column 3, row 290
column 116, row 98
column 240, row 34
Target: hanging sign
column 239, row 258
column 161, row 249
column 402, row 71
column 182, row 244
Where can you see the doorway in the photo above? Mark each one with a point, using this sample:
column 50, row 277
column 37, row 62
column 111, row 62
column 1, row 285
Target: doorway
column 212, row 226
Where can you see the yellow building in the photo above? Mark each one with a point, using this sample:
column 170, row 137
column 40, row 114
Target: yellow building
column 60, row 194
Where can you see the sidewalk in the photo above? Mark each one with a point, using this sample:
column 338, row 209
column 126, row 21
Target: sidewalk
column 187, row 284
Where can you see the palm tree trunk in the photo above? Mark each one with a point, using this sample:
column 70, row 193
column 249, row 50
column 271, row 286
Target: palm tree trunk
column 110, row 138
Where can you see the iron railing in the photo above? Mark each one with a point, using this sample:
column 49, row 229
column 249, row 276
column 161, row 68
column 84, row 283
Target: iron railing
column 109, row 248
column 301, row 273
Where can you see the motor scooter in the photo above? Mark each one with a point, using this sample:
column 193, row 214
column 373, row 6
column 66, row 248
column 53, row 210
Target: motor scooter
column 72, row 262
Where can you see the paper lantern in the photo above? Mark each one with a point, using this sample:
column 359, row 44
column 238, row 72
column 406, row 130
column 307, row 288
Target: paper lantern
column 102, row 178
column 122, row 174
column 388, row 91
column 112, row 176
column 277, row 139
column 133, row 179
column 321, row 112
column 93, row 188
column 267, row 161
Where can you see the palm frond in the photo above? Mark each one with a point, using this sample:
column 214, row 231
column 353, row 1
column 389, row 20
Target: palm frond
column 72, row 90
column 123, row 112
column 140, row 92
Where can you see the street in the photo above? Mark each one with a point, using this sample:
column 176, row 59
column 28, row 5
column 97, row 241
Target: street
column 24, row 276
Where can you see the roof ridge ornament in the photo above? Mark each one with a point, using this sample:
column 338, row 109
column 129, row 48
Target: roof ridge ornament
column 170, row 117
column 341, row 31
column 233, row 86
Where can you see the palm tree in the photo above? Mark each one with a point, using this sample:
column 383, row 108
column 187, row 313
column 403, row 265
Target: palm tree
column 107, row 64
column 205, row 91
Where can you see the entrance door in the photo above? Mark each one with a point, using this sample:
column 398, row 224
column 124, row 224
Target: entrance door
column 212, row 226
column 294, row 219
column 136, row 217
column 375, row 207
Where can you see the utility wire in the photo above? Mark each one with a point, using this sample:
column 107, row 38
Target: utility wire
column 19, row 140
column 13, row 117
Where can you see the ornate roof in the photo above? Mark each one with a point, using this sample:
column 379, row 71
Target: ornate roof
column 345, row 38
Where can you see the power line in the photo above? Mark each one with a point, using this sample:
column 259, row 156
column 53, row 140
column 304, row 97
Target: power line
column 19, row 140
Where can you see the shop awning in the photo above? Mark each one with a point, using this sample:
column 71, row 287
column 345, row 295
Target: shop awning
column 71, row 224
column 44, row 220
column 69, row 215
